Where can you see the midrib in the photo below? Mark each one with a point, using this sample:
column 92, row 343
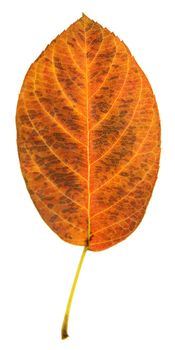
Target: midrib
column 88, row 138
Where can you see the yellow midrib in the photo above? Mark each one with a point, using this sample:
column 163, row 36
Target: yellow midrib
column 88, row 138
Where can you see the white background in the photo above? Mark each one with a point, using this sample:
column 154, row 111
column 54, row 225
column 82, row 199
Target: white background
column 125, row 295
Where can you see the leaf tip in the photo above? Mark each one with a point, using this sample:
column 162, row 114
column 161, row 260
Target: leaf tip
column 85, row 17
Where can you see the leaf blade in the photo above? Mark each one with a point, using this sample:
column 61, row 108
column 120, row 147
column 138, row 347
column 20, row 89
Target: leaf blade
column 88, row 136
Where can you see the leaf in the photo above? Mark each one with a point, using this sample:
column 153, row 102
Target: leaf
column 88, row 136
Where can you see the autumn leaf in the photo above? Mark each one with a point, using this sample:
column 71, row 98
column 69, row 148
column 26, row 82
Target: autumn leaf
column 88, row 137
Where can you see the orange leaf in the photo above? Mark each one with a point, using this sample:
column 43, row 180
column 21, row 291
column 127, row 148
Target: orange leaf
column 88, row 136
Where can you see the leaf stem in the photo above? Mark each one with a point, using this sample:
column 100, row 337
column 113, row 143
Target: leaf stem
column 64, row 332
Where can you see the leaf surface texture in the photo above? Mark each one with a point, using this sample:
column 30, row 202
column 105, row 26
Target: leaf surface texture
column 88, row 136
